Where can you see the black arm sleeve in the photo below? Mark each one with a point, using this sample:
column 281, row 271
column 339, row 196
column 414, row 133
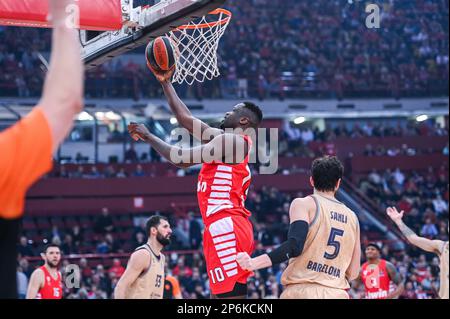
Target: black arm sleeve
column 293, row 247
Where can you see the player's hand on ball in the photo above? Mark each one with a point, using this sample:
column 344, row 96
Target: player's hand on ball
column 138, row 131
column 163, row 76
column 394, row 214
column 244, row 260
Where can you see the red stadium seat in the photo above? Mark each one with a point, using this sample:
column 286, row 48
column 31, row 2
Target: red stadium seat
column 28, row 224
column 71, row 222
column 86, row 222
column 125, row 221
column 58, row 222
column 126, row 235
column 43, row 223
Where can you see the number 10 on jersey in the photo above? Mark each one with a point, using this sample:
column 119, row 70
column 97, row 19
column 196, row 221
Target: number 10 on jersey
column 216, row 275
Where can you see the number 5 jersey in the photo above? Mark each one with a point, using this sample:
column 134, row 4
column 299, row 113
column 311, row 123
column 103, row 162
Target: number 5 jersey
column 328, row 249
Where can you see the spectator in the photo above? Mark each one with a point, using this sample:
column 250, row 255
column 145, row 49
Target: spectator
column 374, row 177
column 24, row 248
column 55, row 233
column 104, row 223
column 68, row 247
column 109, row 172
column 22, row 283
column 77, row 235
column 103, row 247
column 195, row 231
column 307, row 136
column 131, row 155
column 113, row 246
column 115, row 135
column 409, row 292
column 79, row 173
column 117, row 268
column 25, row 266
column 429, row 230
column 440, row 205
column 62, row 172
column 86, row 271
column 122, row 173
column 94, row 173
column 103, row 282
column 139, row 240
column 399, row 177
column 139, row 172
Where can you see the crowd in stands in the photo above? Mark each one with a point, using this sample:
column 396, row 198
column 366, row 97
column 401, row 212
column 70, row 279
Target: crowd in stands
column 423, row 197
column 294, row 141
column 307, row 141
column 276, row 50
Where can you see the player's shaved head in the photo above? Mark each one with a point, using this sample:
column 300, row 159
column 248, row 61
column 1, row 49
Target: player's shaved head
column 252, row 111
column 244, row 115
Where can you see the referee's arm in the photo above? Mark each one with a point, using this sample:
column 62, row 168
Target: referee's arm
column 26, row 148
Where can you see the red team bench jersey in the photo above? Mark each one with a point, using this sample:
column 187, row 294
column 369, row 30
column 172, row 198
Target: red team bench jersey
column 376, row 280
column 222, row 190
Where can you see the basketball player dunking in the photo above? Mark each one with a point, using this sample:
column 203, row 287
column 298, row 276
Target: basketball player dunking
column 223, row 183
column 323, row 246
column 144, row 276
column 377, row 275
column 46, row 282
column 438, row 247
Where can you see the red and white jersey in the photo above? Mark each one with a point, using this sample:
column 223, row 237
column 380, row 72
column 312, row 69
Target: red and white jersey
column 222, row 188
column 52, row 287
column 376, row 280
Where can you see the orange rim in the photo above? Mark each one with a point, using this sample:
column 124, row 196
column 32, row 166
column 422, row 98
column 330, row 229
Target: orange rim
column 209, row 24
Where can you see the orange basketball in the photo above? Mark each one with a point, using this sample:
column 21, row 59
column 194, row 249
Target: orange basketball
column 160, row 54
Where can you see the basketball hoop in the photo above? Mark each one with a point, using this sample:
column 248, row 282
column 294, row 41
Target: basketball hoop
column 197, row 44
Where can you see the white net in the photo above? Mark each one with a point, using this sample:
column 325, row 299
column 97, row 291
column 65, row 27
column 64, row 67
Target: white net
column 196, row 45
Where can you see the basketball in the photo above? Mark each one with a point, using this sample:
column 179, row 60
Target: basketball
column 160, row 54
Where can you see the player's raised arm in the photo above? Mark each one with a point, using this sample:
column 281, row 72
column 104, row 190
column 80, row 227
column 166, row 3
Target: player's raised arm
column 62, row 97
column 353, row 270
column 36, row 282
column 293, row 247
column 433, row 246
column 139, row 261
column 395, row 276
column 229, row 148
column 199, row 129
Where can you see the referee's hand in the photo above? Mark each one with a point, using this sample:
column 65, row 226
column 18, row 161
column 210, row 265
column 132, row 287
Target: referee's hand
column 59, row 11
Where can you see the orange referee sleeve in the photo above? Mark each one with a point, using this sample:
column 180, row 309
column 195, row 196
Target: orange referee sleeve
column 25, row 155
column 175, row 285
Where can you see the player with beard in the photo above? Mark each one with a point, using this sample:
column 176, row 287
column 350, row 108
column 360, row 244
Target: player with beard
column 144, row 276
column 378, row 274
column 45, row 282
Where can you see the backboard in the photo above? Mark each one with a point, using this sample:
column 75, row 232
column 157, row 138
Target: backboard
column 140, row 25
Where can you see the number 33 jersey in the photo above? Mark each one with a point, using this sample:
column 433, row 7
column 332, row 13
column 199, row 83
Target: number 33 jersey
column 328, row 249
